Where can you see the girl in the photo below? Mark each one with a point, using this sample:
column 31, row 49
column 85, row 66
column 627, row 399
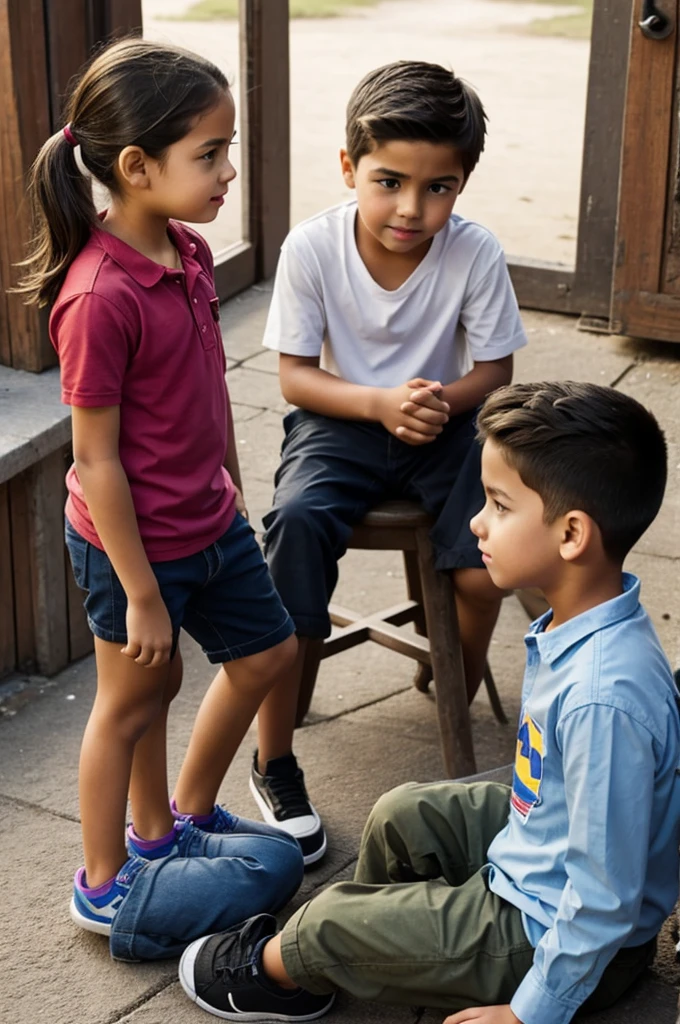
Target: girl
column 152, row 521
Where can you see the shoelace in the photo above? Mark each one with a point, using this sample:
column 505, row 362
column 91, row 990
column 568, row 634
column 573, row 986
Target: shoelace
column 234, row 975
column 289, row 792
column 226, row 822
column 244, row 970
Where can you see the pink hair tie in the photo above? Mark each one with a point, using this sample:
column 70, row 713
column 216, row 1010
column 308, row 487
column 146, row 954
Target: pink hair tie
column 69, row 136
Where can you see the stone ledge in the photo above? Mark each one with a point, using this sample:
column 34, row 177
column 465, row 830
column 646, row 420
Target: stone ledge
column 33, row 421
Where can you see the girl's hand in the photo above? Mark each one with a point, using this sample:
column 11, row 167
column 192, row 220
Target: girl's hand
column 484, row 1015
column 149, row 632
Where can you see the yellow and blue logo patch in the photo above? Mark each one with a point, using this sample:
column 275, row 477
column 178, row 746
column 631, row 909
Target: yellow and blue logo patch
column 526, row 781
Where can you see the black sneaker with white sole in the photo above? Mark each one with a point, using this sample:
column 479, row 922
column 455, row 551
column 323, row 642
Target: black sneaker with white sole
column 223, row 974
column 281, row 795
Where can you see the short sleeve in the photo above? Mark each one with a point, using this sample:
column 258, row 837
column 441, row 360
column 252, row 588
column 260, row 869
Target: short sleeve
column 296, row 324
column 95, row 343
column 490, row 315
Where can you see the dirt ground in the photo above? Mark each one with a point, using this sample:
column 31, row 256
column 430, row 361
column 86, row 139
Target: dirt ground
column 526, row 188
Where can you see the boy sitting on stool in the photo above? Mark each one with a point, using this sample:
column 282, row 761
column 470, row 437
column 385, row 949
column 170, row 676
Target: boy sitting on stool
column 394, row 317
column 514, row 904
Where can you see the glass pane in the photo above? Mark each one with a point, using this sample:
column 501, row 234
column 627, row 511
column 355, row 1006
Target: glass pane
column 533, row 86
column 171, row 21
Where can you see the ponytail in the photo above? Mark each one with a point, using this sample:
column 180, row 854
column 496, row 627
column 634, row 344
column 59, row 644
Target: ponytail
column 132, row 93
column 63, row 215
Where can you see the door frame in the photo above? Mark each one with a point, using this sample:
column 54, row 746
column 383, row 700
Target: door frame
column 43, row 43
column 640, row 304
column 585, row 288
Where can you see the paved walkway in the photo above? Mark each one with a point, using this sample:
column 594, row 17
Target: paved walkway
column 368, row 729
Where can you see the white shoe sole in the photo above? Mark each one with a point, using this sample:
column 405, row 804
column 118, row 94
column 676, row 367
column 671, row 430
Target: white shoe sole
column 99, row 927
column 265, row 809
column 186, row 980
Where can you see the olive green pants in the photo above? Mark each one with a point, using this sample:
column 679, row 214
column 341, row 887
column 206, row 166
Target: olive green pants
column 418, row 925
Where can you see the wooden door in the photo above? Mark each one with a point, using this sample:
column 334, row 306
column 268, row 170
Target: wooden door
column 646, row 280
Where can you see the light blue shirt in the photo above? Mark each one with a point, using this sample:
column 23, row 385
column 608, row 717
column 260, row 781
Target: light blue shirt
column 590, row 851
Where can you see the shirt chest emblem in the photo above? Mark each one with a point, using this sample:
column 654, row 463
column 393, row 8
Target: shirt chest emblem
column 528, row 773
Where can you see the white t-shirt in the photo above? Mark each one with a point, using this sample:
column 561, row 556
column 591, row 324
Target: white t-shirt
column 456, row 308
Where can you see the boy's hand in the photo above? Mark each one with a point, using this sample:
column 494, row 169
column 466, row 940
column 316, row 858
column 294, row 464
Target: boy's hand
column 425, row 398
column 420, row 426
column 149, row 632
column 485, row 1015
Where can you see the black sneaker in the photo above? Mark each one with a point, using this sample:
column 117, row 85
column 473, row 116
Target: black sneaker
column 282, row 798
column 223, row 975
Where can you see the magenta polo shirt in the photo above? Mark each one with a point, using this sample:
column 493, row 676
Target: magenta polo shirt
column 132, row 333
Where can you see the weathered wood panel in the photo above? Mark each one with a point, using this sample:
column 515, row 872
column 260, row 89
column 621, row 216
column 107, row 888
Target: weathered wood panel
column 24, row 125
column 540, row 285
column 24, row 623
column 47, row 563
column 641, row 227
column 609, row 44
column 40, row 598
column 264, row 63
column 7, row 640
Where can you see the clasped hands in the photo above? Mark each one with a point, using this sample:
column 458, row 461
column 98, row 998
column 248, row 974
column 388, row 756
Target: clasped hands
column 414, row 412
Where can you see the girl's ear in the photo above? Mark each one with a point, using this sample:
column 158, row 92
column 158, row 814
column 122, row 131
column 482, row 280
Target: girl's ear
column 577, row 536
column 132, row 167
column 347, row 169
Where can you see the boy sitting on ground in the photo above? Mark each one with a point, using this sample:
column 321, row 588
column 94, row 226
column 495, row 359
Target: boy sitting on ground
column 519, row 904
column 409, row 309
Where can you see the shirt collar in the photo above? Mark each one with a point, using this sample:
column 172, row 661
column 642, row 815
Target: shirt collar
column 145, row 271
column 554, row 644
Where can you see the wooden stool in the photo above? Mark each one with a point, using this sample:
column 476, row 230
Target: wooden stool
column 404, row 526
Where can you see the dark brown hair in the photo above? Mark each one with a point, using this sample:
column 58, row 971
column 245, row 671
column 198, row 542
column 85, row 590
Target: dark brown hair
column 133, row 93
column 418, row 102
column 582, row 446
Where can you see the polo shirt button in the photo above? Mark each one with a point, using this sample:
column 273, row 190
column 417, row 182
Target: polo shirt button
column 204, row 328
column 192, row 247
column 195, row 302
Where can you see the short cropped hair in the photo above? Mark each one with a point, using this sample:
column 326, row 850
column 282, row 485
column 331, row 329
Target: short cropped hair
column 582, row 446
column 417, row 102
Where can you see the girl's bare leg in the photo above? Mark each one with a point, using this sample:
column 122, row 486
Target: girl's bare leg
column 129, row 698
column 149, row 777
column 223, row 719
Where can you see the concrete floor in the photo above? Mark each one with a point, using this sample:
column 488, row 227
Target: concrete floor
column 367, row 731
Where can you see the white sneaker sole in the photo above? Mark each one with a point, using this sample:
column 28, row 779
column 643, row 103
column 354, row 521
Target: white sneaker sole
column 100, row 927
column 267, row 814
column 186, row 980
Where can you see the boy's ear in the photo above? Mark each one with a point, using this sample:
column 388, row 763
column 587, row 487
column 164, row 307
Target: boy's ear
column 578, row 534
column 347, row 169
column 132, row 167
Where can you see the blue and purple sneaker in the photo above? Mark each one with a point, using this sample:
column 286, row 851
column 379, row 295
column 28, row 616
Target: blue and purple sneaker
column 220, row 821
column 95, row 908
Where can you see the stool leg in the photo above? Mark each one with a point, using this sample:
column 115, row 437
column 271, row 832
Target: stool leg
column 423, row 674
column 447, row 662
column 494, row 699
column 310, row 670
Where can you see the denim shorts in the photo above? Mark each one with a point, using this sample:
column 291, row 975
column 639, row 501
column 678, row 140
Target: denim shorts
column 223, row 596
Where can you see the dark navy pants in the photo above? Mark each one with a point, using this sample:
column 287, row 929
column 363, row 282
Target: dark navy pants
column 332, row 472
